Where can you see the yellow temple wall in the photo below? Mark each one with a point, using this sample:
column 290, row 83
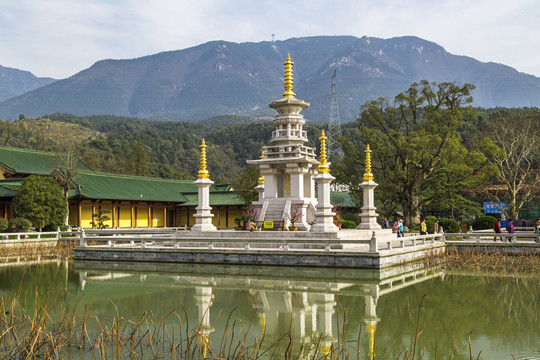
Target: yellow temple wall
column 86, row 215
column 142, row 216
column 124, row 216
column 158, row 219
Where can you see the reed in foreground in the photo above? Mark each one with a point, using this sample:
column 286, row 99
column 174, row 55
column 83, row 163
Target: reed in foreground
column 167, row 335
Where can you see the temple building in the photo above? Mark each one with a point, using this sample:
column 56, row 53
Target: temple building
column 133, row 201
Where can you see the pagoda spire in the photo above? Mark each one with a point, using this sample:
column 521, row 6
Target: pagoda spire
column 323, row 167
column 288, row 78
column 203, row 173
column 368, row 176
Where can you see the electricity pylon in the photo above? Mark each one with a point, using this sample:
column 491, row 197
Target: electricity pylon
column 334, row 123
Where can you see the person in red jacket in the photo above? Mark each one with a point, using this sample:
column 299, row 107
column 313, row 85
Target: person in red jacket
column 497, row 229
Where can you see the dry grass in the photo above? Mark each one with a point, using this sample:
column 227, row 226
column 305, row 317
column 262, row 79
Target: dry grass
column 499, row 261
column 35, row 252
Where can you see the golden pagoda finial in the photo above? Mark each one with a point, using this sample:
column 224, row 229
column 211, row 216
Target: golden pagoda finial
column 288, row 78
column 323, row 167
column 368, row 176
column 262, row 319
column 204, row 341
column 203, row 173
column 371, row 339
column 261, row 176
column 325, row 350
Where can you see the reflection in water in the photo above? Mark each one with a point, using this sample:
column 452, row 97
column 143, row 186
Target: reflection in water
column 301, row 302
column 310, row 304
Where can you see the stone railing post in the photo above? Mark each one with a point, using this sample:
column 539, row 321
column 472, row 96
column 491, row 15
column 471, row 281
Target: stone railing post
column 373, row 245
column 82, row 238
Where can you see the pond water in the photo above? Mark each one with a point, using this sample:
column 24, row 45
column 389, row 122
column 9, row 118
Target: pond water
column 375, row 311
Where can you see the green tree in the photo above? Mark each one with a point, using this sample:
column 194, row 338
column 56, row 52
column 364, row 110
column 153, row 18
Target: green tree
column 512, row 146
column 99, row 219
column 66, row 165
column 40, row 200
column 244, row 184
column 418, row 156
column 137, row 162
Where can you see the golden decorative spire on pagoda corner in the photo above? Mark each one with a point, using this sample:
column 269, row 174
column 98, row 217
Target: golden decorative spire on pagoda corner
column 261, row 176
column 323, row 167
column 368, row 176
column 288, row 78
column 203, row 173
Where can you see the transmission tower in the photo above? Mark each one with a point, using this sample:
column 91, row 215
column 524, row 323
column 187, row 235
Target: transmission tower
column 334, row 123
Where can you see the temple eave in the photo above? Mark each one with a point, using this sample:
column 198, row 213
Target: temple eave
column 289, row 101
column 274, row 160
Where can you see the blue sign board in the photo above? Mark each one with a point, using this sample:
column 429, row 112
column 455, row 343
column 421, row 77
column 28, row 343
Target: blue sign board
column 490, row 208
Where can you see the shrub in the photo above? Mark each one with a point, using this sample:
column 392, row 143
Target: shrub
column 484, row 222
column 430, row 221
column 465, row 225
column 4, row 225
column 49, row 227
column 348, row 224
column 449, row 226
column 19, row 225
column 351, row 217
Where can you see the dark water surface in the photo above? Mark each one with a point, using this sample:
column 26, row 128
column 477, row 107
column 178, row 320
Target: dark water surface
column 500, row 313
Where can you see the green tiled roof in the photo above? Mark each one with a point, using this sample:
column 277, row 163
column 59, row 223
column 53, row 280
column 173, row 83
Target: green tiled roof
column 217, row 198
column 97, row 185
column 342, row 199
column 24, row 161
column 8, row 188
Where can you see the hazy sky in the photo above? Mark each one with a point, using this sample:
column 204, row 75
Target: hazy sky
column 59, row 38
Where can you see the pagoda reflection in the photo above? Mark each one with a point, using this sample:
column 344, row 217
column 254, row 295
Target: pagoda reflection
column 298, row 307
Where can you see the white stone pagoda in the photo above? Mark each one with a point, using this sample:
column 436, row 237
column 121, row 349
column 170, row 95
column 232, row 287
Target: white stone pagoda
column 288, row 166
column 203, row 216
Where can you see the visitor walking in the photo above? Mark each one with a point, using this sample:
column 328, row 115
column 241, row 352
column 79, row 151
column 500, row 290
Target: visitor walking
column 497, row 229
column 436, row 227
column 395, row 227
column 385, row 223
column 510, row 229
column 423, row 227
column 401, row 233
column 537, row 225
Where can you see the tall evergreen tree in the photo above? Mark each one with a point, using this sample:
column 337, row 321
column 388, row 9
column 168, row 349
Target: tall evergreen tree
column 40, row 200
column 417, row 151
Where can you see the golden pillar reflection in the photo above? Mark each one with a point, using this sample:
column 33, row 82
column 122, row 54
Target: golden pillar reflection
column 371, row 327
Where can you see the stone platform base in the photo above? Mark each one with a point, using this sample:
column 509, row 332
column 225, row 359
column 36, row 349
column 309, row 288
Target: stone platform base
column 229, row 249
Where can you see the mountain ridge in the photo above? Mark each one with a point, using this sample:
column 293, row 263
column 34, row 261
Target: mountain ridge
column 14, row 82
column 221, row 77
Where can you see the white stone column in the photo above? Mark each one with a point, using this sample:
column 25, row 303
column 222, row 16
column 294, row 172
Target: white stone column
column 270, row 185
column 324, row 217
column 369, row 215
column 203, row 217
column 260, row 190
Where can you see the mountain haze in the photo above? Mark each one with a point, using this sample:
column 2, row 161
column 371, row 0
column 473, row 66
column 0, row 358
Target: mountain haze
column 224, row 78
column 15, row 82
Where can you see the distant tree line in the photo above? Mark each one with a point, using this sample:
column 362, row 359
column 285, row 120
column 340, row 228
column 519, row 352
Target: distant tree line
column 432, row 152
